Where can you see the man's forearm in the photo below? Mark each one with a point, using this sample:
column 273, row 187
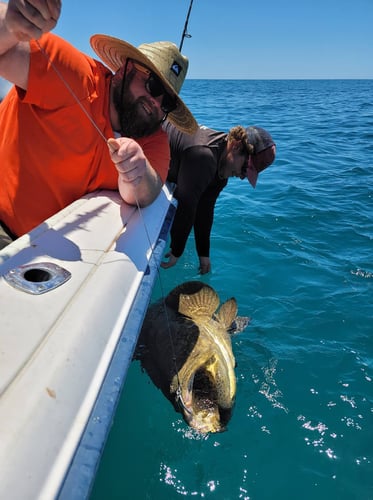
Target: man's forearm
column 143, row 193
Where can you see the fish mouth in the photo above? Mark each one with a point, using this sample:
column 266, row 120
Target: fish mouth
column 201, row 403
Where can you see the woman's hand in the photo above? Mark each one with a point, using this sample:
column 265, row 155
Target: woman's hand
column 204, row 265
column 171, row 260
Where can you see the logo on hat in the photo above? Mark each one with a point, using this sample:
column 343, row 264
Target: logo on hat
column 176, row 68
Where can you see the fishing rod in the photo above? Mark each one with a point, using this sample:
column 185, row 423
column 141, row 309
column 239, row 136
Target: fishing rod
column 185, row 31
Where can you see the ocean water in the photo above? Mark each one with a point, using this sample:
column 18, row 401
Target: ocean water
column 297, row 253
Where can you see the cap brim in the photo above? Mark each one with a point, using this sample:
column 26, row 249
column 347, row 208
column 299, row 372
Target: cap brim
column 113, row 52
column 260, row 162
column 252, row 175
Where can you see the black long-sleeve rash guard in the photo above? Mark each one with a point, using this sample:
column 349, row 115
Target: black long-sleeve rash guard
column 194, row 169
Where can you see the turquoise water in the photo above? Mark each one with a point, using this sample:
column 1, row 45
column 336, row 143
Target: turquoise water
column 297, row 253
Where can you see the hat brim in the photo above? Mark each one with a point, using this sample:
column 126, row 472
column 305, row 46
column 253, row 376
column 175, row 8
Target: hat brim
column 113, row 52
column 260, row 162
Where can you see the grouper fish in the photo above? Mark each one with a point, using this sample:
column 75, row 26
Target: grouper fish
column 185, row 347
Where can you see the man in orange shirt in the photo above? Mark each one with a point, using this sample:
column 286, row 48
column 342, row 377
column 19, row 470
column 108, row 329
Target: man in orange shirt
column 66, row 108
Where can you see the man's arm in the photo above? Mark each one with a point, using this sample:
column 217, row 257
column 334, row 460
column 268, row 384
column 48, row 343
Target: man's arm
column 19, row 23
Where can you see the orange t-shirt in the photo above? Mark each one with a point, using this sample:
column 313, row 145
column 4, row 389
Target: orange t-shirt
column 50, row 152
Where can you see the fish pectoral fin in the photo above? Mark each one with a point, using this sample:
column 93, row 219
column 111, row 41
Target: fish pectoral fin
column 199, row 305
column 227, row 313
column 239, row 324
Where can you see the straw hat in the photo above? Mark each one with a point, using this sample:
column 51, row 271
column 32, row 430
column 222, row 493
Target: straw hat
column 162, row 58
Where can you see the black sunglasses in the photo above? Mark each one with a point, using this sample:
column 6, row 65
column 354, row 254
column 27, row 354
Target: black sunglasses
column 155, row 88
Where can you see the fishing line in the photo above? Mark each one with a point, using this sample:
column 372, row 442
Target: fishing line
column 112, row 149
column 59, row 74
column 185, row 34
column 75, row 97
column 179, row 397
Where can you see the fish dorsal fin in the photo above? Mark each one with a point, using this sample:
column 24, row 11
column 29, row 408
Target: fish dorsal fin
column 227, row 313
column 200, row 305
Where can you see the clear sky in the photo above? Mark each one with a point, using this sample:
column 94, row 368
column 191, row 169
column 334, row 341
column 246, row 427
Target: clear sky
column 240, row 38
column 256, row 39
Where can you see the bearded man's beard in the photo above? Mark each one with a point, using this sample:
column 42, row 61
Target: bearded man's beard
column 134, row 122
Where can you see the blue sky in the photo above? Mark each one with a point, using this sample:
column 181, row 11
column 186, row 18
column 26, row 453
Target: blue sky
column 273, row 39
column 240, row 38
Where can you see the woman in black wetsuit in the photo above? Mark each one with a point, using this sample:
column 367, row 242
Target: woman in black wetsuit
column 200, row 167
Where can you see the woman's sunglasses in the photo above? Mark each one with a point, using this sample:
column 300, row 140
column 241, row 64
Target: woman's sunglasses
column 155, row 88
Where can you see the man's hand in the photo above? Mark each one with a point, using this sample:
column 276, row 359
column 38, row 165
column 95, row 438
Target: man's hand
column 128, row 158
column 30, row 19
column 138, row 183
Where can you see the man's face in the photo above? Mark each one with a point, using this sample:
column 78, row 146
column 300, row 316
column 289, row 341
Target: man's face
column 139, row 113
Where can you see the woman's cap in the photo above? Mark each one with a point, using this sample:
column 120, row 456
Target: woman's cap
column 162, row 58
column 264, row 152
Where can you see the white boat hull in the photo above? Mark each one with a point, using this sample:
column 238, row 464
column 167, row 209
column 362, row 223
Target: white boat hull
column 56, row 348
